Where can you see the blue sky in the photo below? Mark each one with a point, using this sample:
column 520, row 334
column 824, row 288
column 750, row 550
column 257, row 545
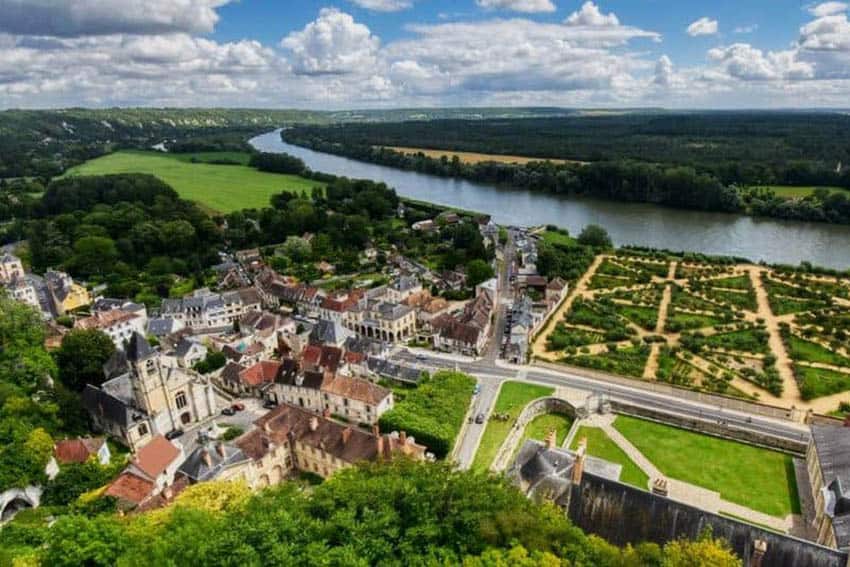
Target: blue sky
column 385, row 53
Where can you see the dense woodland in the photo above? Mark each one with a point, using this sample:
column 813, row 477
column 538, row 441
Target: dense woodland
column 702, row 161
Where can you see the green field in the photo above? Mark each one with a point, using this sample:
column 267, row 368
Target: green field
column 539, row 427
column 513, row 397
column 221, row 188
column 759, row 479
column 600, row 445
column 789, row 192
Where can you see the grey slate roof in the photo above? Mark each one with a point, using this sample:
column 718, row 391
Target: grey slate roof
column 208, row 461
column 329, row 332
column 542, row 472
column 161, row 327
column 138, row 348
column 833, row 450
column 388, row 369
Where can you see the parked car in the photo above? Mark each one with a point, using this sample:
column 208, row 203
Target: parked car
column 228, row 411
column 174, row 434
column 269, row 404
column 477, row 390
column 238, row 407
column 479, row 419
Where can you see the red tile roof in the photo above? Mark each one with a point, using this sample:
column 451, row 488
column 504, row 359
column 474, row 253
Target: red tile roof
column 154, row 458
column 264, row 372
column 77, row 450
column 356, row 389
column 130, row 488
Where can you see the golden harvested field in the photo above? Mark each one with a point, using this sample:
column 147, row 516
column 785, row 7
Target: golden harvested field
column 471, row 157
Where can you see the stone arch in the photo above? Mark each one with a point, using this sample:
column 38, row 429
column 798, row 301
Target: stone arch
column 14, row 500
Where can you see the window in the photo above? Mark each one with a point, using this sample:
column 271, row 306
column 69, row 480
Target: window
column 180, row 400
column 345, row 402
column 143, row 429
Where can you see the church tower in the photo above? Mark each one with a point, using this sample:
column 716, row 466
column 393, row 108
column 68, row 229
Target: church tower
column 146, row 375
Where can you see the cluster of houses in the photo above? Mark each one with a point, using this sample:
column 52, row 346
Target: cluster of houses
column 535, row 296
column 54, row 294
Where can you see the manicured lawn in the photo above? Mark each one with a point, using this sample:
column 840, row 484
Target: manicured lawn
column 760, row 479
column 807, row 351
column 628, row 361
column 540, row 426
column 513, row 397
column 558, row 237
column 819, row 382
column 221, row 188
column 600, row 445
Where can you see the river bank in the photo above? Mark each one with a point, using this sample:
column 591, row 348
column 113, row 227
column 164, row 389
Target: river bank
column 723, row 234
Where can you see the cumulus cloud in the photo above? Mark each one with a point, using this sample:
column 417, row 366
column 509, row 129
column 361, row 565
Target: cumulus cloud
column 77, row 18
column 663, row 72
column 748, row 63
column 384, row 5
column 591, row 15
column 828, row 9
column 527, row 6
column 828, row 33
column 332, row 44
column 703, row 26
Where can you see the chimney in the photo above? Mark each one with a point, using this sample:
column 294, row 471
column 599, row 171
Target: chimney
column 346, row 435
column 376, row 430
column 314, row 423
column 267, row 427
column 552, row 439
column 578, row 466
column 380, row 446
column 168, row 493
column 219, row 448
column 207, row 458
column 326, row 413
column 402, row 437
column 759, row 551
column 659, row 487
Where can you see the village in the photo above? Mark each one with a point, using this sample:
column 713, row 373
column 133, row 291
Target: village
column 262, row 377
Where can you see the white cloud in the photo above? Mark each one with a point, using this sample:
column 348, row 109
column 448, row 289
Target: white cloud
column 527, row 6
column 591, row 15
column 745, row 62
column 828, row 33
column 828, row 9
column 663, row 72
column 77, row 18
column 703, row 26
column 332, row 44
column 746, row 29
column 384, row 5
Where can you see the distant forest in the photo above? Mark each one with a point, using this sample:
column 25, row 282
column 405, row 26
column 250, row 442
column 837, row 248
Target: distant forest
column 704, row 161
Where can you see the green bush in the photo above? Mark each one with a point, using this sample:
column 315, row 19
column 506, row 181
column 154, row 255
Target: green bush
column 433, row 413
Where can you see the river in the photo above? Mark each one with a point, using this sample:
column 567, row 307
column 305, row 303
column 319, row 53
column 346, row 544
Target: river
column 770, row 240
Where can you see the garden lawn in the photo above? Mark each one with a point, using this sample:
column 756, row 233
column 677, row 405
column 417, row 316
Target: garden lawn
column 819, row 382
column 601, row 446
column 513, row 397
column 807, row 351
column 759, row 479
column 220, row 188
column 540, row 426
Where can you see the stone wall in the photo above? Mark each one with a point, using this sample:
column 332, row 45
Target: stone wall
column 538, row 407
column 713, row 428
column 623, row 514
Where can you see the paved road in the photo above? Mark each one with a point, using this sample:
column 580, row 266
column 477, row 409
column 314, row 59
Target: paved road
column 483, row 403
column 486, row 371
column 503, row 298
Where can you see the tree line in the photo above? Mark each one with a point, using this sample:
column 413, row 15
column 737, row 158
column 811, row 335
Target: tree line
column 684, row 185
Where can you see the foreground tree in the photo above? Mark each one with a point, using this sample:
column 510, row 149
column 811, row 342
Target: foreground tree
column 596, row 236
column 82, row 356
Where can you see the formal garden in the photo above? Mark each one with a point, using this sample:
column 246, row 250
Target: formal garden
column 776, row 335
